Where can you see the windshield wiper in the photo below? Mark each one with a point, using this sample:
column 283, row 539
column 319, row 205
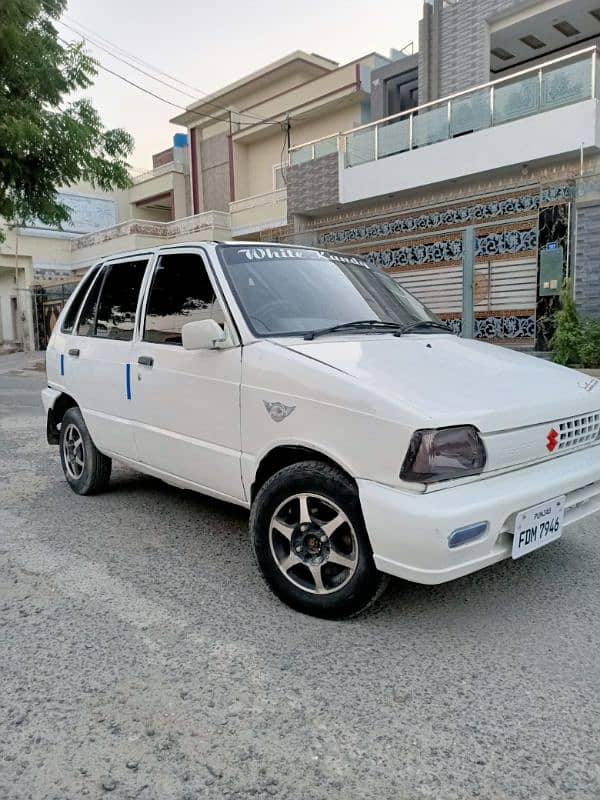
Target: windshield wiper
column 424, row 323
column 369, row 324
column 360, row 324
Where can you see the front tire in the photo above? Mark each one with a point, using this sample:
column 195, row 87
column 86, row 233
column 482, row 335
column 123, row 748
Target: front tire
column 311, row 543
column 86, row 469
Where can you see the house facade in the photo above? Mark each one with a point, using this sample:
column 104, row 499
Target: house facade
column 504, row 138
column 493, row 125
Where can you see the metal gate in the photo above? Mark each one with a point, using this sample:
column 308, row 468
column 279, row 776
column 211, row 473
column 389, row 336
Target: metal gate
column 48, row 302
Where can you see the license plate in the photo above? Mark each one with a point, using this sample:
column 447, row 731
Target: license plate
column 538, row 526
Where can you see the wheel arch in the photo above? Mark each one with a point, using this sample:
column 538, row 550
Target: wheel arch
column 284, row 455
column 55, row 416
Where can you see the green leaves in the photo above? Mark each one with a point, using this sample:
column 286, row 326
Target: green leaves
column 566, row 340
column 575, row 341
column 589, row 350
column 45, row 141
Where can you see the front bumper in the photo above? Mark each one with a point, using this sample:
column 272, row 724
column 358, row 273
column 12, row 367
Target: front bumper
column 409, row 533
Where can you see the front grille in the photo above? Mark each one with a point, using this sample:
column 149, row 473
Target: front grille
column 578, row 431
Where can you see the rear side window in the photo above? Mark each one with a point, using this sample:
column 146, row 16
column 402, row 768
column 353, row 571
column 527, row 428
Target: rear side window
column 109, row 311
column 88, row 312
column 115, row 318
column 181, row 292
column 69, row 320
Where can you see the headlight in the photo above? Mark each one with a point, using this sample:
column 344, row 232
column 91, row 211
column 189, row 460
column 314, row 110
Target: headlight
column 440, row 454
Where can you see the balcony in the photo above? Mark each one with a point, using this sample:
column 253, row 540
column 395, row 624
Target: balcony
column 136, row 234
column 545, row 111
column 162, row 189
column 163, row 169
column 258, row 213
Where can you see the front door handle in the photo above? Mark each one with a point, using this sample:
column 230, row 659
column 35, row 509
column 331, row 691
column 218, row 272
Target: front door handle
column 74, row 351
column 146, row 361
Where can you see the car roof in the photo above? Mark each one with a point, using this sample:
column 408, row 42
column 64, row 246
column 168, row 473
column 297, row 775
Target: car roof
column 149, row 251
column 199, row 243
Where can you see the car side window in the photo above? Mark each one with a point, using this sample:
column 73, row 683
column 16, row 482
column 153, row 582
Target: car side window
column 87, row 317
column 181, row 292
column 119, row 299
column 110, row 310
column 68, row 322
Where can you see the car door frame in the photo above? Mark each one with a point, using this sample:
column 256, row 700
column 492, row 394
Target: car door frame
column 214, row 278
column 236, row 343
column 104, row 266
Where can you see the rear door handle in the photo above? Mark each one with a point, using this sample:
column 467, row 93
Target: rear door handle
column 74, row 351
column 146, row 361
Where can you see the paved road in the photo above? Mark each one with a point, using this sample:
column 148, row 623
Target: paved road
column 142, row 657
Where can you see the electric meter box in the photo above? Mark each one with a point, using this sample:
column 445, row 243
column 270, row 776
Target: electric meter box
column 551, row 271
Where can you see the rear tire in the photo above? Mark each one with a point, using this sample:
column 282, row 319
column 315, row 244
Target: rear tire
column 311, row 543
column 86, row 469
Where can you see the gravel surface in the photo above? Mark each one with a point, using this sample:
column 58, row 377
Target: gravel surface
column 141, row 656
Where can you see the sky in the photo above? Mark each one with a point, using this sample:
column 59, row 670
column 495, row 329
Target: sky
column 208, row 45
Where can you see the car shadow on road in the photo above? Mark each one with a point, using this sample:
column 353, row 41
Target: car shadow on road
column 128, row 481
column 507, row 586
column 512, row 589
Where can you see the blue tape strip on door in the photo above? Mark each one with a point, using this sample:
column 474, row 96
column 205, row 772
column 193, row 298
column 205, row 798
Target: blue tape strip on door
column 128, row 380
column 62, row 364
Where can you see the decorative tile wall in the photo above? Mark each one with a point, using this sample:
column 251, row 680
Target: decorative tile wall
column 498, row 327
column 426, row 241
column 470, row 214
column 442, row 251
column 517, row 239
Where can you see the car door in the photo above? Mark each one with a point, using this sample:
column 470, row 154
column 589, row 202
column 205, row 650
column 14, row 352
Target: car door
column 98, row 357
column 187, row 403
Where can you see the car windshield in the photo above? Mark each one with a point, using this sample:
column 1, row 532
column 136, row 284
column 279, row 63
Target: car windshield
column 285, row 291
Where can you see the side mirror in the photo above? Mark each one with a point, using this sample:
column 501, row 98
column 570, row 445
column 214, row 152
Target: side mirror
column 204, row 334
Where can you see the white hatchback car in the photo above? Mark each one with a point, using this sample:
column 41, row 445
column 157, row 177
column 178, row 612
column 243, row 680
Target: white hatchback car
column 310, row 388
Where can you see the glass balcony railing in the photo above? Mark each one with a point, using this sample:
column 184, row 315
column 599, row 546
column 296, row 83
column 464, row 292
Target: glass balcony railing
column 557, row 83
column 312, row 150
column 560, row 82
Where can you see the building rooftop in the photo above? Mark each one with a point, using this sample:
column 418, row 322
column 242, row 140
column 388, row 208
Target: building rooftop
column 311, row 64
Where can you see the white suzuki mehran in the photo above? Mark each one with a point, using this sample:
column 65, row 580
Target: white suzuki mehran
column 311, row 388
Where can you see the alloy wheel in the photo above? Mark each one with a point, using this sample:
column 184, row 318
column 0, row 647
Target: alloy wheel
column 74, row 452
column 313, row 543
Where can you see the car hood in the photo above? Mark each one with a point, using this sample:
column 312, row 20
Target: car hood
column 445, row 380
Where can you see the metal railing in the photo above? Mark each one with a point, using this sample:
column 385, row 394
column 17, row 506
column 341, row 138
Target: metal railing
column 163, row 169
column 562, row 81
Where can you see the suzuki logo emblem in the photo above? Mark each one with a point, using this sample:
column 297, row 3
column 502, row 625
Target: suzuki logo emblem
column 552, row 439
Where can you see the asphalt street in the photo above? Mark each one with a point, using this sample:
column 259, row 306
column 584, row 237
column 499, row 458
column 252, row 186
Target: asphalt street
column 141, row 656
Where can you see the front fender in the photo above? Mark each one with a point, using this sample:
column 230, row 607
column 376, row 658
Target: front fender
column 252, row 461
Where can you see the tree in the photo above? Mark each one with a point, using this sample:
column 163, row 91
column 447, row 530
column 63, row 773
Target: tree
column 46, row 140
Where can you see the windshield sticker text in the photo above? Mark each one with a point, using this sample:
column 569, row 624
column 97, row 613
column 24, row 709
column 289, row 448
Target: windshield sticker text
column 266, row 253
